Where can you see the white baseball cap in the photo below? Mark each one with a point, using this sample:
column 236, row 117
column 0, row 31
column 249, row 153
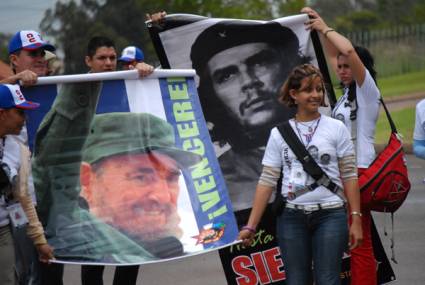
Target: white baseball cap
column 131, row 53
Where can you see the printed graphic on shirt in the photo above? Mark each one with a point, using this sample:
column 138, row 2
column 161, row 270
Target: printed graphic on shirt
column 340, row 117
column 314, row 152
column 325, row 158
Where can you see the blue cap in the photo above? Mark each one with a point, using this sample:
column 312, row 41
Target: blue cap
column 132, row 53
column 28, row 40
column 11, row 97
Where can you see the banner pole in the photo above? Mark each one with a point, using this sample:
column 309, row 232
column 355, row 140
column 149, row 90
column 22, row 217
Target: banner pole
column 114, row 75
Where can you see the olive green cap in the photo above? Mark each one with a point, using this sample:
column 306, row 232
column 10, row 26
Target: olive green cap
column 120, row 133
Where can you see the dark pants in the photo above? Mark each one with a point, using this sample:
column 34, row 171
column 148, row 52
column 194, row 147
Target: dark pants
column 124, row 275
column 51, row 274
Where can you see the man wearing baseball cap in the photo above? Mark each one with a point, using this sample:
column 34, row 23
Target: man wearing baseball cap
column 130, row 56
column 27, row 57
column 12, row 106
column 12, row 98
column 18, row 201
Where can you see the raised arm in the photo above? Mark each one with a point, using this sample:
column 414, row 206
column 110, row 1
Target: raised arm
column 335, row 44
column 59, row 140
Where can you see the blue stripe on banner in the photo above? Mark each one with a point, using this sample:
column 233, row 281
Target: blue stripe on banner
column 45, row 95
column 113, row 97
column 204, row 180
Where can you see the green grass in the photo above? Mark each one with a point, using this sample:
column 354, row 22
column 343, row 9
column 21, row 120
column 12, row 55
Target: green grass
column 398, row 85
column 402, row 84
column 404, row 121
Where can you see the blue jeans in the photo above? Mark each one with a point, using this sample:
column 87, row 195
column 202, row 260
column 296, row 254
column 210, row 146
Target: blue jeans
column 312, row 239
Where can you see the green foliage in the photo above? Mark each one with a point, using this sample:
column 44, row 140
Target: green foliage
column 243, row 9
column 419, row 12
column 329, row 9
column 4, row 42
column 395, row 12
column 291, row 7
column 356, row 21
column 72, row 25
column 365, row 14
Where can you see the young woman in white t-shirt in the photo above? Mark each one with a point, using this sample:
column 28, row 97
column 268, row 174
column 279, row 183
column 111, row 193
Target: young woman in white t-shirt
column 358, row 109
column 312, row 228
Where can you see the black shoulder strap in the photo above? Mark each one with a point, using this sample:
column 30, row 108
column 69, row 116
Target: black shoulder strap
column 309, row 164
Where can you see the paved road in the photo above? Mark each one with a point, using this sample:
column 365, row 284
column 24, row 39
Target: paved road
column 402, row 102
column 409, row 229
column 409, row 233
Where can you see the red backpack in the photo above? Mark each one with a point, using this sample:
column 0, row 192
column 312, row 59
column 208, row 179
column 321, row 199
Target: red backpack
column 384, row 185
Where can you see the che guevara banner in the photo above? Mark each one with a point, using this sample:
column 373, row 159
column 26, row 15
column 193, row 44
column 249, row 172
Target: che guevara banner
column 124, row 169
column 241, row 66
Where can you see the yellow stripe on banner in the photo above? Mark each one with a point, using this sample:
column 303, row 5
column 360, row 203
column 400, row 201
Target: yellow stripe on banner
column 188, row 131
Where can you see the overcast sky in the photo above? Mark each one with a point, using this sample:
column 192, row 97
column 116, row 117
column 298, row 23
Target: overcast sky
column 22, row 14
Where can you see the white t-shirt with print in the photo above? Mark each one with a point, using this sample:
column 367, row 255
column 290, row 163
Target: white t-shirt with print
column 330, row 141
column 367, row 115
column 419, row 132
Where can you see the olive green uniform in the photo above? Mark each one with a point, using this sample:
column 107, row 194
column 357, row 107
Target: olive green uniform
column 72, row 231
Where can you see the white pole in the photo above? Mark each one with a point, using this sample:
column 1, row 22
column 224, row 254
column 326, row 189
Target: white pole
column 114, row 75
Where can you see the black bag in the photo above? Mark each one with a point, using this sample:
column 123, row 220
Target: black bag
column 4, row 182
column 279, row 201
